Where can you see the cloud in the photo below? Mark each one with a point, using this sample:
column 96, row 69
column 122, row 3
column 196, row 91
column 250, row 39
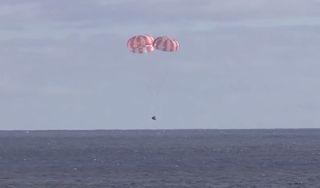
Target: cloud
column 155, row 11
column 67, row 62
column 49, row 19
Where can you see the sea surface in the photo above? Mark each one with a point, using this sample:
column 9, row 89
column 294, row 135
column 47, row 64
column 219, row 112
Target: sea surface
column 160, row 159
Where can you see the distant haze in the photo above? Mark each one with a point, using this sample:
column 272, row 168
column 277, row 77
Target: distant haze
column 242, row 64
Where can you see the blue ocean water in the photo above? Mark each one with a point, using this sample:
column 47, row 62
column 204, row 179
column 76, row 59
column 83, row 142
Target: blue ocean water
column 160, row 158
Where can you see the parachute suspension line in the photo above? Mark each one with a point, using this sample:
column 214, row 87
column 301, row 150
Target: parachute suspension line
column 153, row 87
column 160, row 77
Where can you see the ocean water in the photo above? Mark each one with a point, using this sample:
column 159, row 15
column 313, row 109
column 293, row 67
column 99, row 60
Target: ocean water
column 160, row 159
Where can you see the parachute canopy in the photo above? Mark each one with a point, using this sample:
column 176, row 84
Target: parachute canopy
column 146, row 43
column 165, row 43
column 141, row 44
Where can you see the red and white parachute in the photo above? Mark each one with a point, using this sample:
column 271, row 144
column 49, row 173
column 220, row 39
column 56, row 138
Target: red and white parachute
column 146, row 43
column 140, row 44
column 165, row 43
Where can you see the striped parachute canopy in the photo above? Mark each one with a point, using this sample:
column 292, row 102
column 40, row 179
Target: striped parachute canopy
column 166, row 44
column 141, row 44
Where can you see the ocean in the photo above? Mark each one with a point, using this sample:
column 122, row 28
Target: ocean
column 277, row 158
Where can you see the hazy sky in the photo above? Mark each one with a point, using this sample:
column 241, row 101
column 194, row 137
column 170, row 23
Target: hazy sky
column 242, row 64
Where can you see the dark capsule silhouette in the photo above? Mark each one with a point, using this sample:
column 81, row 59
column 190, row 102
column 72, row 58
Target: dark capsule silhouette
column 154, row 118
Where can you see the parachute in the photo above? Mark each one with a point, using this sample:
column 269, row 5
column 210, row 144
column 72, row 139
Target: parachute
column 165, row 43
column 146, row 44
column 140, row 44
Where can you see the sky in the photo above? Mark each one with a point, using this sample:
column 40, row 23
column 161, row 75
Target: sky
column 242, row 64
